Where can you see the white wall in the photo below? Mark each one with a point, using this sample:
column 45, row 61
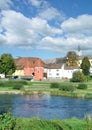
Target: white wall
column 54, row 73
column 60, row 73
column 68, row 73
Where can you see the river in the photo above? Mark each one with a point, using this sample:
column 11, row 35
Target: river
column 45, row 106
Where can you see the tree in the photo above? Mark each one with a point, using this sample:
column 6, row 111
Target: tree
column 7, row 64
column 78, row 76
column 72, row 59
column 85, row 66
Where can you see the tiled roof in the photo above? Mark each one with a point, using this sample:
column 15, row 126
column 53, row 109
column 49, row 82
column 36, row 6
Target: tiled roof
column 71, row 67
column 52, row 66
column 28, row 62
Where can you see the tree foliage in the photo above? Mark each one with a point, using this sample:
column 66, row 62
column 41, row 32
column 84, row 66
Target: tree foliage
column 7, row 64
column 78, row 76
column 72, row 59
column 85, row 66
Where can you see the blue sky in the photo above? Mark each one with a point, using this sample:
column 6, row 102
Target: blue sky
column 45, row 28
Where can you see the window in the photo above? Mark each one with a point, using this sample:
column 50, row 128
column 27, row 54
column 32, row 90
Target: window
column 50, row 74
column 57, row 70
column 49, row 70
column 57, row 74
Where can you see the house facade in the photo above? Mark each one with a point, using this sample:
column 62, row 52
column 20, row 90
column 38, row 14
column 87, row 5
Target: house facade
column 54, row 71
column 35, row 67
column 28, row 66
column 67, row 71
column 57, row 71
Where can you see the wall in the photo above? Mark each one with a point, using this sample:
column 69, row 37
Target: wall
column 54, row 73
column 18, row 73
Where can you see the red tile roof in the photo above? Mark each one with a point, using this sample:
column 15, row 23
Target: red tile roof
column 28, row 62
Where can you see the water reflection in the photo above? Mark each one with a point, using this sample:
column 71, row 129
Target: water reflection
column 45, row 106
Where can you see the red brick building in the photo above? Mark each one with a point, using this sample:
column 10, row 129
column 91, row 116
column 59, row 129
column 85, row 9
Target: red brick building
column 31, row 66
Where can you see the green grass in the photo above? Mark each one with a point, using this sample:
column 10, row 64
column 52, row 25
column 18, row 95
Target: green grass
column 40, row 87
column 8, row 122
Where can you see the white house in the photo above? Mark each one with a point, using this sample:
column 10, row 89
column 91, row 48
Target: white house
column 54, row 71
column 57, row 71
column 67, row 72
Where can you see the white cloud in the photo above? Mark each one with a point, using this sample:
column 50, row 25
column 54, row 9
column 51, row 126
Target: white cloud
column 46, row 11
column 35, row 3
column 22, row 31
column 5, row 4
column 42, row 27
column 2, row 40
column 82, row 24
column 51, row 13
column 18, row 29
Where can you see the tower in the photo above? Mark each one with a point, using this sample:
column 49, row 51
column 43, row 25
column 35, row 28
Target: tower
column 79, row 52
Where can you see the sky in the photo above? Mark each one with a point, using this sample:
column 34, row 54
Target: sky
column 45, row 28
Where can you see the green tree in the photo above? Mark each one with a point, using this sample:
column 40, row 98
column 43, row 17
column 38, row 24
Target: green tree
column 7, row 64
column 72, row 59
column 85, row 66
column 78, row 76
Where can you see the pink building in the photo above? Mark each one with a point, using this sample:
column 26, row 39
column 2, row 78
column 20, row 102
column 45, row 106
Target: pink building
column 31, row 66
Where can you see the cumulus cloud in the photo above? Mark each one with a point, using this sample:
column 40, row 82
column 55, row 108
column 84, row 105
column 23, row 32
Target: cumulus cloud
column 36, row 32
column 51, row 13
column 42, row 27
column 81, row 24
column 5, row 4
column 22, row 31
column 78, row 31
column 35, row 3
column 46, row 11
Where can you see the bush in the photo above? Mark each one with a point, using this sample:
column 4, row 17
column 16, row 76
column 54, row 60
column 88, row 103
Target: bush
column 17, row 86
column 70, row 88
column 78, row 76
column 7, row 121
column 54, row 85
column 82, row 86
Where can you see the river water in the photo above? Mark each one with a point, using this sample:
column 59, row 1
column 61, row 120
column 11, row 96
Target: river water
column 45, row 106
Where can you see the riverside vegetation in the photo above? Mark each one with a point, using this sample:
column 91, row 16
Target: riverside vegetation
column 69, row 89
column 8, row 122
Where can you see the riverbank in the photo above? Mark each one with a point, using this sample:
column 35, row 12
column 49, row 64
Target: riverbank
column 25, row 87
column 7, row 121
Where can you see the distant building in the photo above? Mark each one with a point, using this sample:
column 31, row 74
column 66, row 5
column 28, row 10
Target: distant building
column 28, row 66
column 57, row 71
column 79, row 51
column 54, row 71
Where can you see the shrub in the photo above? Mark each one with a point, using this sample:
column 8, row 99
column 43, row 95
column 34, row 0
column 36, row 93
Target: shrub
column 88, row 95
column 17, row 86
column 22, row 82
column 78, row 76
column 70, row 88
column 14, row 84
column 54, row 85
column 82, row 86
column 7, row 121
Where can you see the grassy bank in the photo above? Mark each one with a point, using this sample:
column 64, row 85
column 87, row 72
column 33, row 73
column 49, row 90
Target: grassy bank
column 41, row 87
column 8, row 122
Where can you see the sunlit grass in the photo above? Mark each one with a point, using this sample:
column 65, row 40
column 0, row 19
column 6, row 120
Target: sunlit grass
column 41, row 87
column 8, row 122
